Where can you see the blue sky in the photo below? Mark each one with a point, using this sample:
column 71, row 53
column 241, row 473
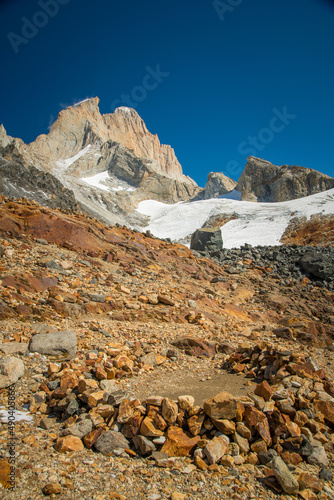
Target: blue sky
column 230, row 77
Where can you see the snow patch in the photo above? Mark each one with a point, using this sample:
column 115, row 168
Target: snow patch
column 99, row 181
column 124, row 109
column 257, row 223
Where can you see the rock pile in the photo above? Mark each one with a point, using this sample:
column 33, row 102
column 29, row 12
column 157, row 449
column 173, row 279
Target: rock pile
column 288, row 420
column 286, row 262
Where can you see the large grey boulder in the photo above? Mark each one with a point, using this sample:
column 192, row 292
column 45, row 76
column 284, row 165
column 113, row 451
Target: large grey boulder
column 11, row 370
column 319, row 265
column 209, row 240
column 60, row 344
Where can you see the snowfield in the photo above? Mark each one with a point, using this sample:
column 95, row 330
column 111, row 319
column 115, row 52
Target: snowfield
column 257, row 223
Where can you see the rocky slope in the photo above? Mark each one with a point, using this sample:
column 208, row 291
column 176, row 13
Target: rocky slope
column 18, row 180
column 107, row 333
column 263, row 181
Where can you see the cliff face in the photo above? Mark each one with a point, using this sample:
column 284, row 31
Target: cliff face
column 20, row 181
column 263, row 181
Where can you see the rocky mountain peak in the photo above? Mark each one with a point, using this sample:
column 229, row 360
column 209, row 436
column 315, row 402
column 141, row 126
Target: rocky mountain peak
column 265, row 182
column 218, row 184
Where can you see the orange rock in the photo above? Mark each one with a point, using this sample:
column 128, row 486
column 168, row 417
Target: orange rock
column 178, row 443
column 263, row 390
column 221, row 406
column 91, row 438
column 68, row 443
column 253, row 416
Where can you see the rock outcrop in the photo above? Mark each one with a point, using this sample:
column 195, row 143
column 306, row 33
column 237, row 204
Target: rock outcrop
column 19, row 180
column 218, row 184
column 263, row 181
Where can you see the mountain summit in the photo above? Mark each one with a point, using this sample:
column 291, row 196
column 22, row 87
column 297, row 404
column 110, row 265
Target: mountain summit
column 110, row 161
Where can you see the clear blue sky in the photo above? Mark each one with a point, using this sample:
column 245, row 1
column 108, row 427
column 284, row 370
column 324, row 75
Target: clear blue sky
column 236, row 77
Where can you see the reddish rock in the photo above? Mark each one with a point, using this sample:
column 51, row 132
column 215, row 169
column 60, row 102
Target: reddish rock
column 253, row 416
column 91, row 438
column 263, row 390
column 326, row 408
column 196, row 347
column 306, row 481
column 178, row 443
column 195, row 423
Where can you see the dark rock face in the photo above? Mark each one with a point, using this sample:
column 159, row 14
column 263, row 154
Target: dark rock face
column 263, row 181
column 206, row 240
column 20, row 181
column 319, row 265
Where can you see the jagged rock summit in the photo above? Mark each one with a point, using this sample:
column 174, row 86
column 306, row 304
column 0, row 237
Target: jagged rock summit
column 110, row 161
column 262, row 181
column 217, row 185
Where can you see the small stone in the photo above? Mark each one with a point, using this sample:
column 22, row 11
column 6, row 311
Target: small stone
column 225, row 426
column 326, row 475
column 178, row 443
column 199, row 462
column 306, row 481
column 11, row 370
column 46, row 423
column 318, row 457
column 52, row 489
column 263, row 390
column 242, row 443
column 178, row 496
column 148, row 428
column 91, row 438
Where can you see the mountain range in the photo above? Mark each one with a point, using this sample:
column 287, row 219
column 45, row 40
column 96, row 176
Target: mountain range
column 111, row 167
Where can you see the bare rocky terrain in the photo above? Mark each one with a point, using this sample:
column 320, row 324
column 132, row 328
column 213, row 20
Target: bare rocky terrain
column 104, row 330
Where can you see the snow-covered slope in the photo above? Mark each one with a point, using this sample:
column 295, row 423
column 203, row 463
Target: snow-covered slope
column 257, row 223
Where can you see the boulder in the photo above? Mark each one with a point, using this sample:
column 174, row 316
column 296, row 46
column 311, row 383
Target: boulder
column 206, row 240
column 11, row 370
column 62, row 344
column 285, row 478
column 110, row 441
column 319, row 265
column 222, row 406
